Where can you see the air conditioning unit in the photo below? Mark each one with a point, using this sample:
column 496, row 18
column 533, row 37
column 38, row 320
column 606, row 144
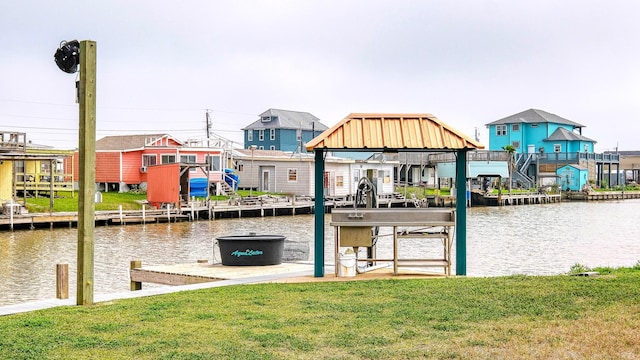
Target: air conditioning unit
column 143, row 169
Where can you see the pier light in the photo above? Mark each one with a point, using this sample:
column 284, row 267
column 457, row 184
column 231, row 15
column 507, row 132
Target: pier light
column 67, row 56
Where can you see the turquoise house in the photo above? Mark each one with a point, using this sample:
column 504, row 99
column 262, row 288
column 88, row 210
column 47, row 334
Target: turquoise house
column 537, row 131
column 544, row 143
column 572, row 177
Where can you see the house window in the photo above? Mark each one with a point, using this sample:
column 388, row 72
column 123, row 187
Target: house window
column 272, row 134
column 167, row 159
column 292, row 175
column 272, row 147
column 557, row 148
column 586, row 148
column 299, row 135
column 214, row 162
column 261, row 135
column 516, row 144
column 339, row 181
column 44, row 166
column 19, row 169
column 249, row 135
column 515, row 127
column 387, row 177
column 356, row 176
column 148, row 160
column 260, row 147
column 188, row 159
column 501, row 130
column 266, row 118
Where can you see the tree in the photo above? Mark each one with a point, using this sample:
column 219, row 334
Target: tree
column 511, row 163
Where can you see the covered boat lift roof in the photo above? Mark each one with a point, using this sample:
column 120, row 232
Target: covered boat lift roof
column 391, row 132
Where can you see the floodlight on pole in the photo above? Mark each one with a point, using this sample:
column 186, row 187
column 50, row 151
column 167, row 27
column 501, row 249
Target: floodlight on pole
column 67, row 56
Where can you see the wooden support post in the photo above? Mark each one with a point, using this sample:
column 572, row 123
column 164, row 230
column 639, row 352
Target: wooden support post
column 318, row 220
column 62, row 281
column 135, row 264
column 87, row 172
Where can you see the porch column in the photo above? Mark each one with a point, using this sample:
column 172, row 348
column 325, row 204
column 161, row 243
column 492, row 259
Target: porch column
column 461, row 212
column 319, row 214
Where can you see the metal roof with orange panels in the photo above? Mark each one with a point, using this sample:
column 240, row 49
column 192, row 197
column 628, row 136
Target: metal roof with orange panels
column 380, row 132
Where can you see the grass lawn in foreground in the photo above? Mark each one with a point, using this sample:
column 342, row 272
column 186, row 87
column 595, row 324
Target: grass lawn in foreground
column 515, row 317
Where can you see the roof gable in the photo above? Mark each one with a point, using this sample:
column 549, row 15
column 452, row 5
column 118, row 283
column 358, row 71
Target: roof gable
column 392, row 131
column 130, row 142
column 562, row 134
column 534, row 116
column 287, row 119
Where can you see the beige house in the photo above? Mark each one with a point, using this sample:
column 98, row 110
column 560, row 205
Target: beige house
column 281, row 172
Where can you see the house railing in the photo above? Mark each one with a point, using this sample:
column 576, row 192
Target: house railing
column 41, row 182
column 440, row 157
column 574, row 157
column 13, row 142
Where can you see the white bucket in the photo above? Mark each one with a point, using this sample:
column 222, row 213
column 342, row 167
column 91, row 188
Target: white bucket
column 347, row 265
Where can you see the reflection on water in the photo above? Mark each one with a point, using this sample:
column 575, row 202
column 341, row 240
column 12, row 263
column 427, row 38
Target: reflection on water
column 534, row 240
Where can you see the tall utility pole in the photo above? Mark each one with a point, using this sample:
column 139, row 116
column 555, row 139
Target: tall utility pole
column 87, row 175
column 208, row 125
column 68, row 57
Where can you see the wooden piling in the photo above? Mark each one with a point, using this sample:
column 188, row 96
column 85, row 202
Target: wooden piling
column 62, row 281
column 135, row 264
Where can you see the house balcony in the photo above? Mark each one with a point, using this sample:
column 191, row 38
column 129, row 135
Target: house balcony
column 13, row 142
column 576, row 158
column 37, row 183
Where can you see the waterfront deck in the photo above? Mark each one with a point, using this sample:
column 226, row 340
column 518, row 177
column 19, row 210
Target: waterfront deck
column 521, row 199
column 291, row 272
column 255, row 207
column 603, row 195
column 70, row 219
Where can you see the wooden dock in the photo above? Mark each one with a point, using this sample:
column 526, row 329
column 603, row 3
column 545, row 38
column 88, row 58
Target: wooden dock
column 602, row 195
column 193, row 273
column 286, row 272
column 70, row 219
column 514, row 199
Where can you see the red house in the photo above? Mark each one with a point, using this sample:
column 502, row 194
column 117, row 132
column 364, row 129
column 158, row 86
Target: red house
column 122, row 162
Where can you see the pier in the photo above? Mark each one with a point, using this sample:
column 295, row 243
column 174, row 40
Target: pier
column 602, row 195
column 521, row 199
column 278, row 206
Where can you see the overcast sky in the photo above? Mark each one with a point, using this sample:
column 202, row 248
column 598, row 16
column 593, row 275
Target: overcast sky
column 161, row 64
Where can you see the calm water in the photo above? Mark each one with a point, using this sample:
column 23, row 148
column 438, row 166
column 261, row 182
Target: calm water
column 532, row 239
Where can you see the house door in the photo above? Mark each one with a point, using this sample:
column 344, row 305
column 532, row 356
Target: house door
column 329, row 184
column 267, row 179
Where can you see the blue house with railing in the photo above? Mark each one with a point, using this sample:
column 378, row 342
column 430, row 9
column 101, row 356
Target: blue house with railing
column 544, row 143
column 282, row 130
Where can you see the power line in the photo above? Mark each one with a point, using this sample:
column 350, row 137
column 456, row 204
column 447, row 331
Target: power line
column 130, row 108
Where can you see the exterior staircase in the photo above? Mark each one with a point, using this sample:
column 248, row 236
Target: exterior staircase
column 519, row 175
column 226, row 189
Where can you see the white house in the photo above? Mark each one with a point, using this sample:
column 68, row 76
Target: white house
column 292, row 173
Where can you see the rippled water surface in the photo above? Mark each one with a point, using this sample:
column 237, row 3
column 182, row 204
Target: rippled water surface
column 532, row 239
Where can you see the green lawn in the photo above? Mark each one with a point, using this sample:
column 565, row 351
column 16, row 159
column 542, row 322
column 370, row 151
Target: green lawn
column 515, row 317
column 68, row 202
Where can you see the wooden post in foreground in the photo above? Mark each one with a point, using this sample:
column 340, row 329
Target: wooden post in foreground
column 87, row 172
column 135, row 264
column 62, row 281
